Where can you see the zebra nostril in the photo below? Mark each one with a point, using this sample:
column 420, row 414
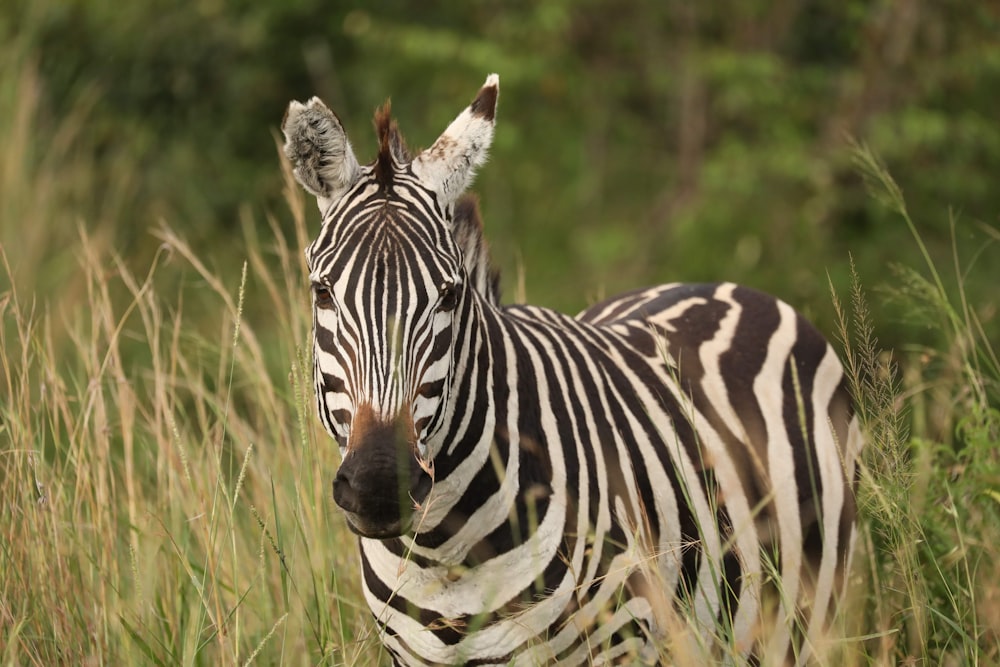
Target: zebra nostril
column 344, row 494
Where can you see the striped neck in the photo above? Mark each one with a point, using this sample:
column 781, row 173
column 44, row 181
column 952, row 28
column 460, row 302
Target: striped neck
column 470, row 450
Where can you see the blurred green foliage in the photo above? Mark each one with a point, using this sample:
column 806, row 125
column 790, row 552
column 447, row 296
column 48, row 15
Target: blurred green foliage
column 638, row 142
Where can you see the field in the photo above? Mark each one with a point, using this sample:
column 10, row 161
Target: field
column 165, row 485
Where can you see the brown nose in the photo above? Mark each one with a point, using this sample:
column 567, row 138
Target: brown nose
column 380, row 479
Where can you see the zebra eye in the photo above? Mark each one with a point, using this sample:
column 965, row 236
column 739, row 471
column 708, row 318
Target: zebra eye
column 448, row 293
column 324, row 300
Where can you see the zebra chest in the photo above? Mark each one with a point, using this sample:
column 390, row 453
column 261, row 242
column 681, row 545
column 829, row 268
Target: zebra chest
column 530, row 582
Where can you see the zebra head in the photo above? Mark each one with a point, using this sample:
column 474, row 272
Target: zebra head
column 389, row 291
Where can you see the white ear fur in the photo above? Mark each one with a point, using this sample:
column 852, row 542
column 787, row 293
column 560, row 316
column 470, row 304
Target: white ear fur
column 317, row 146
column 449, row 166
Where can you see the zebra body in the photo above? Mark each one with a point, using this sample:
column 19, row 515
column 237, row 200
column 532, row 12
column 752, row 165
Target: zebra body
column 532, row 488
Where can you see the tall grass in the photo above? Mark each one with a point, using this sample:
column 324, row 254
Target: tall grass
column 164, row 484
column 927, row 586
column 167, row 493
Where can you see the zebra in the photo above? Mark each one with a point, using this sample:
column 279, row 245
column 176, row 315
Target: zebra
column 670, row 471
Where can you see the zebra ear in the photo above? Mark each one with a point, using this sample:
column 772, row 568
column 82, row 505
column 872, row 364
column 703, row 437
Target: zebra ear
column 449, row 166
column 317, row 146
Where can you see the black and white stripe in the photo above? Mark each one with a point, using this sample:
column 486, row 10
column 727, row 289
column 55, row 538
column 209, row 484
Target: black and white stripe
column 674, row 465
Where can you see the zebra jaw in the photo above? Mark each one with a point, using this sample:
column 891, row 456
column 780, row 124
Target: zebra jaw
column 391, row 519
column 412, row 513
column 381, row 482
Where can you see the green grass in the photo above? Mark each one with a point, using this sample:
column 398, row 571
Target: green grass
column 928, row 582
column 166, row 491
column 164, row 482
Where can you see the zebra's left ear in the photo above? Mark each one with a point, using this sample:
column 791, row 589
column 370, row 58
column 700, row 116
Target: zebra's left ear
column 449, row 166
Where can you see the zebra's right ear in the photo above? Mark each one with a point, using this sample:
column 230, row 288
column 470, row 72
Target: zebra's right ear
column 317, row 146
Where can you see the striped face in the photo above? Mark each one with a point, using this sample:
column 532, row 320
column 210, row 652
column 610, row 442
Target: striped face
column 388, row 295
column 387, row 282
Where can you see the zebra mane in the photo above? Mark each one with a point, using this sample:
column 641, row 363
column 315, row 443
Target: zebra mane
column 467, row 228
column 391, row 145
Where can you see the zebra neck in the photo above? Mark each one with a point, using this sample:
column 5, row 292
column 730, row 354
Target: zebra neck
column 493, row 478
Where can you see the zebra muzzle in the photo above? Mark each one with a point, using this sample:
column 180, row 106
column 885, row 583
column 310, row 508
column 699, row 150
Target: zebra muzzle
column 380, row 481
